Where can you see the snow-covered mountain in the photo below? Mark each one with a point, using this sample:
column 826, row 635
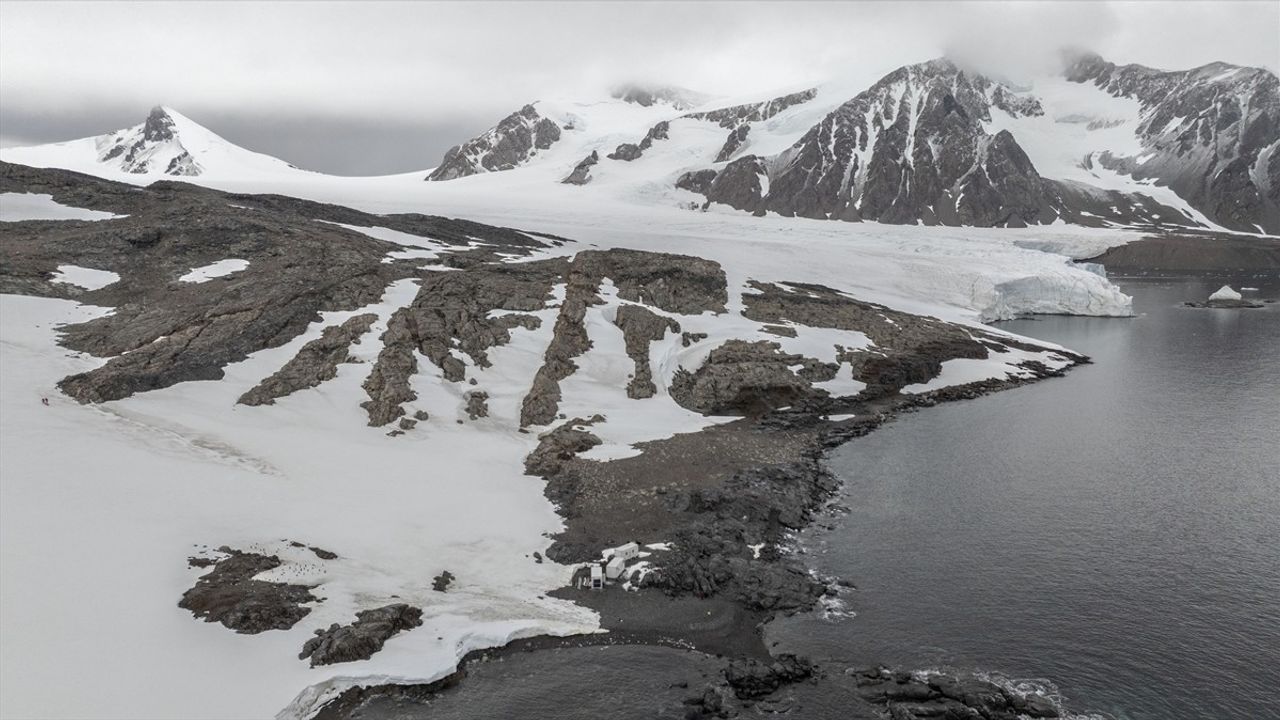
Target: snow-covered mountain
column 1209, row 133
column 937, row 143
column 167, row 143
column 934, row 143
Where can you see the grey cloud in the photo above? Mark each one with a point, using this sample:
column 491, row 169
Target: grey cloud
column 370, row 87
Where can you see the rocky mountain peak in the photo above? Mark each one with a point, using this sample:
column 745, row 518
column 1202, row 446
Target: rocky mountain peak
column 159, row 126
column 512, row 142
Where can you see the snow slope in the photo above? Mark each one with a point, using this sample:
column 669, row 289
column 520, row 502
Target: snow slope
column 167, row 144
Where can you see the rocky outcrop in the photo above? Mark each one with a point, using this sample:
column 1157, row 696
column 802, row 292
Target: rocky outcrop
column 477, row 404
column 741, row 185
column 163, row 332
column 315, row 362
column 557, row 446
column 907, row 348
column 913, row 148
column 1211, row 134
column 698, row 181
column 639, row 328
column 511, row 143
column 452, row 312
column 626, row 152
column 230, row 595
column 748, row 378
column 732, row 117
column 911, row 696
column 632, row 151
column 581, row 174
column 148, row 147
column 568, row 341
column 733, row 143
column 362, row 638
column 674, row 283
column 754, row 679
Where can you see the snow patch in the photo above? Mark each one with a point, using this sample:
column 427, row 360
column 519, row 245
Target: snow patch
column 218, row 269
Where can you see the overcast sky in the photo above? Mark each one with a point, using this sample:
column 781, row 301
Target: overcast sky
column 367, row 88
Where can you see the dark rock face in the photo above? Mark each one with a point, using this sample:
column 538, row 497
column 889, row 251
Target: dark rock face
column 316, row 362
column 732, row 117
column 1211, row 135
column 133, row 147
column 674, row 283
column 228, row 594
column 581, row 174
column 913, row 148
column 748, row 378
column 739, row 185
column 754, row 679
column 908, row 348
column 452, row 310
column 733, row 143
column 558, row 446
column 907, row 697
column 514, row 140
column 626, row 152
column 698, row 181
column 362, row 638
column 632, row 151
column 441, row 582
column 477, row 404
column 639, row 328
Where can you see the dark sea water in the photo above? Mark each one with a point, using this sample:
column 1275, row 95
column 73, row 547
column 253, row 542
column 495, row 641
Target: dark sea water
column 1116, row 531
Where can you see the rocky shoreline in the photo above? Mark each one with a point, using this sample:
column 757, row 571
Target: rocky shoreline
column 716, row 597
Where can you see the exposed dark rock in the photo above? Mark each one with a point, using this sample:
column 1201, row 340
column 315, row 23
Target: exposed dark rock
column 632, row 151
column 228, row 594
column 626, row 151
column 639, row 328
column 748, row 378
column 452, row 312
column 315, row 362
column 732, row 117
column 362, row 638
column 698, row 181
column 407, row 424
column 581, row 174
column 753, row 679
column 514, row 140
column 164, row 332
column 689, row 338
column 906, row 695
column 674, row 283
column 738, row 185
column 908, row 348
column 1188, row 117
column 477, row 404
column 440, row 583
column 733, row 143
column 559, row 445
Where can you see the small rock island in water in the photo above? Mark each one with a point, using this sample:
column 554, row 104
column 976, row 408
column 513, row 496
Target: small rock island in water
column 1226, row 297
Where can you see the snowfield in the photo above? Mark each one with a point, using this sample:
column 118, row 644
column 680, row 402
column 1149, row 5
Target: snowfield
column 15, row 207
column 100, row 506
column 218, row 269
